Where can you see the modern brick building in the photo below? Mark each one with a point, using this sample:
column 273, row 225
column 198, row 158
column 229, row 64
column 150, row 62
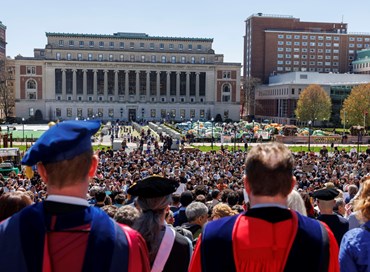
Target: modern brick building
column 275, row 44
column 2, row 41
column 126, row 76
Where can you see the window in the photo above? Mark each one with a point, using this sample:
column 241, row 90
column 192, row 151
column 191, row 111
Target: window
column 320, row 44
column 71, row 43
column 190, row 47
column 280, row 62
column 58, row 112
column 82, row 44
column 328, row 51
column 328, row 38
column 31, row 84
column 297, row 43
column 312, row 44
column 161, row 46
column 320, row 50
column 183, row 59
column 101, row 44
column 304, row 43
column 336, row 44
column 91, row 43
column 132, row 58
column 89, row 56
column 121, row 57
column 110, row 57
column 288, row 56
column 288, row 49
column 351, row 39
column 281, row 36
column 163, row 59
column 69, row 56
column 312, row 37
column 288, row 36
column 31, row 70
column 280, row 56
column 280, row 49
column 173, row 59
column 304, row 50
column 336, row 38
column 280, row 43
column 359, row 45
column 202, row 60
column 61, row 43
column 142, row 58
column 320, row 38
column 296, row 49
column 226, row 93
column 79, row 56
column 192, row 60
column 327, row 63
column 111, row 44
column 297, row 37
column 199, row 47
column 226, row 74
column 154, row 58
column 121, row 45
column 151, row 46
column 132, row 45
column 58, row 56
column 288, row 43
column 181, row 46
column 304, row 37
column 328, row 44
column 100, row 57
column 69, row 112
column 319, row 57
column 142, row 45
column 153, row 113
column 170, row 46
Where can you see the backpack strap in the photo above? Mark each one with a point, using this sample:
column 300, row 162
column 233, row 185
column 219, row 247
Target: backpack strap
column 216, row 236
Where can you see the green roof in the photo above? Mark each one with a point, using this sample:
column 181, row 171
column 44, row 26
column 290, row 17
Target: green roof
column 126, row 35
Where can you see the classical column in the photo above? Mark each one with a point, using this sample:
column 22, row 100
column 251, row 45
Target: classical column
column 177, row 86
column 168, row 87
column 126, row 85
column 147, row 99
column 74, row 85
column 197, row 87
column 105, row 85
column 95, row 91
column 64, row 84
column 158, row 86
column 187, row 98
column 116, row 85
column 137, row 93
column 84, row 87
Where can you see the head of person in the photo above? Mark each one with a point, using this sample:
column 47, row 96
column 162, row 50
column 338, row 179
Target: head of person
column 64, row 155
column 110, row 210
column 362, row 204
column 13, row 202
column 100, row 195
column 154, row 199
column 325, row 199
column 127, row 215
column 269, row 171
column 295, row 202
column 186, row 198
column 197, row 213
column 339, row 206
column 222, row 210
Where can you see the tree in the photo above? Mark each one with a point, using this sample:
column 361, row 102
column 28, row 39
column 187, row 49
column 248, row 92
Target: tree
column 356, row 107
column 313, row 104
column 249, row 86
column 6, row 99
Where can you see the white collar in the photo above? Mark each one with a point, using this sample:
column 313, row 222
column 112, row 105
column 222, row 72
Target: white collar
column 68, row 199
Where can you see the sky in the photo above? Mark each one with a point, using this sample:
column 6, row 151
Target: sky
column 28, row 21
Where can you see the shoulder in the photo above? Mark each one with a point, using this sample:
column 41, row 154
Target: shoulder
column 355, row 236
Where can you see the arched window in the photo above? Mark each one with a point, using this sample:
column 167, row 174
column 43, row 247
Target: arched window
column 31, row 84
column 226, row 93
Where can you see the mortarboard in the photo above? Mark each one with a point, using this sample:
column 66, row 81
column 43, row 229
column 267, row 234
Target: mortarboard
column 326, row 194
column 63, row 141
column 153, row 186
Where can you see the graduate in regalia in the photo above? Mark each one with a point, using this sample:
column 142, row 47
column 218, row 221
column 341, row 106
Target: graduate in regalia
column 64, row 233
column 269, row 236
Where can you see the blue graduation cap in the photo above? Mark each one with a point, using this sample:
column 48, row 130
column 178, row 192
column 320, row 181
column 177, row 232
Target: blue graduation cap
column 63, row 141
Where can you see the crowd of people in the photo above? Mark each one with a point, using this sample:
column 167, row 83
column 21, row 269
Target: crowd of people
column 206, row 188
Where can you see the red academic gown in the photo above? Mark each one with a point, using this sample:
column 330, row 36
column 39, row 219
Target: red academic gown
column 261, row 244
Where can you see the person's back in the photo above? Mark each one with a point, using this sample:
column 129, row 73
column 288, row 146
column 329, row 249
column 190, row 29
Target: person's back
column 65, row 233
column 268, row 237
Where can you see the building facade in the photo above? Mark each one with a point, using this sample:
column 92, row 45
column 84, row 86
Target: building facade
column 275, row 44
column 362, row 63
column 277, row 100
column 126, row 76
column 2, row 41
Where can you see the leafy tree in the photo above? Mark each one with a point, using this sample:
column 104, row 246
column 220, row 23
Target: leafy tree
column 313, row 104
column 356, row 107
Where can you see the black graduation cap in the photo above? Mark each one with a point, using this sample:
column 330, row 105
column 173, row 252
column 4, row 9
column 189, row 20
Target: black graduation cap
column 326, row 194
column 153, row 186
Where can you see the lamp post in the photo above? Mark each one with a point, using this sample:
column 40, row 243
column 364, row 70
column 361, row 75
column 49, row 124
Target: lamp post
column 309, row 135
column 198, row 130
column 212, row 133
column 358, row 140
column 23, row 130
column 234, row 138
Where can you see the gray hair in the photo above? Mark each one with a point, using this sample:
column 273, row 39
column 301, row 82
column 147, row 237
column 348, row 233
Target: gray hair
column 195, row 210
column 127, row 215
column 150, row 222
column 295, row 202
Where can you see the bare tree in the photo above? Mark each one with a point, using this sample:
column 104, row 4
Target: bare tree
column 249, row 87
column 6, row 94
